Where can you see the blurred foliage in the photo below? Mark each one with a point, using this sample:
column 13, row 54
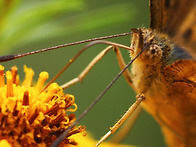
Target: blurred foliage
column 21, row 21
column 27, row 25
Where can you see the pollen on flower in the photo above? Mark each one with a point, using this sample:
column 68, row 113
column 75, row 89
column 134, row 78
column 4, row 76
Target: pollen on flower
column 30, row 117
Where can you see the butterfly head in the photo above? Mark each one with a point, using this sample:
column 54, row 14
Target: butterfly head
column 157, row 46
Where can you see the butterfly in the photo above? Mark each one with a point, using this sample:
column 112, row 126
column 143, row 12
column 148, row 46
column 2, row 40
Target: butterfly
column 161, row 16
column 166, row 71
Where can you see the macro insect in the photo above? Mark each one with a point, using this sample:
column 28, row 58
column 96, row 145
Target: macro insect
column 164, row 72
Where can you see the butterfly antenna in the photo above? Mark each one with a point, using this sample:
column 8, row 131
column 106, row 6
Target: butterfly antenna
column 65, row 133
column 12, row 57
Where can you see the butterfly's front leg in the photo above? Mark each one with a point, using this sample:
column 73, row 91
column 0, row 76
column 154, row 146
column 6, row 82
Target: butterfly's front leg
column 121, row 62
column 122, row 65
column 128, row 113
column 81, row 76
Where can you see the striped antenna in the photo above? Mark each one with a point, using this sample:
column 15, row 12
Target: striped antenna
column 12, row 57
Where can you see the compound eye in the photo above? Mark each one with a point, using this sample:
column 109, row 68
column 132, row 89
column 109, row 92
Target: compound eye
column 152, row 55
column 155, row 50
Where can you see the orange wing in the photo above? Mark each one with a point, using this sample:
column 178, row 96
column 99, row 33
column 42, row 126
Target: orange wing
column 177, row 18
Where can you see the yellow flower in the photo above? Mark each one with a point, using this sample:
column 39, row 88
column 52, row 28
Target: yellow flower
column 30, row 116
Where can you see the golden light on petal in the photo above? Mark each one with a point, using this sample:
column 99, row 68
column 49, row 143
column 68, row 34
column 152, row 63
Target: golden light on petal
column 5, row 143
column 88, row 141
column 29, row 117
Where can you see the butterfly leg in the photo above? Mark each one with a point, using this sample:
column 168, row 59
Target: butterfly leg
column 122, row 65
column 126, row 128
column 121, row 62
column 128, row 113
column 87, row 69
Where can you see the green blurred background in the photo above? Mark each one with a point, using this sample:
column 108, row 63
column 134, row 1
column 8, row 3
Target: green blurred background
column 27, row 25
